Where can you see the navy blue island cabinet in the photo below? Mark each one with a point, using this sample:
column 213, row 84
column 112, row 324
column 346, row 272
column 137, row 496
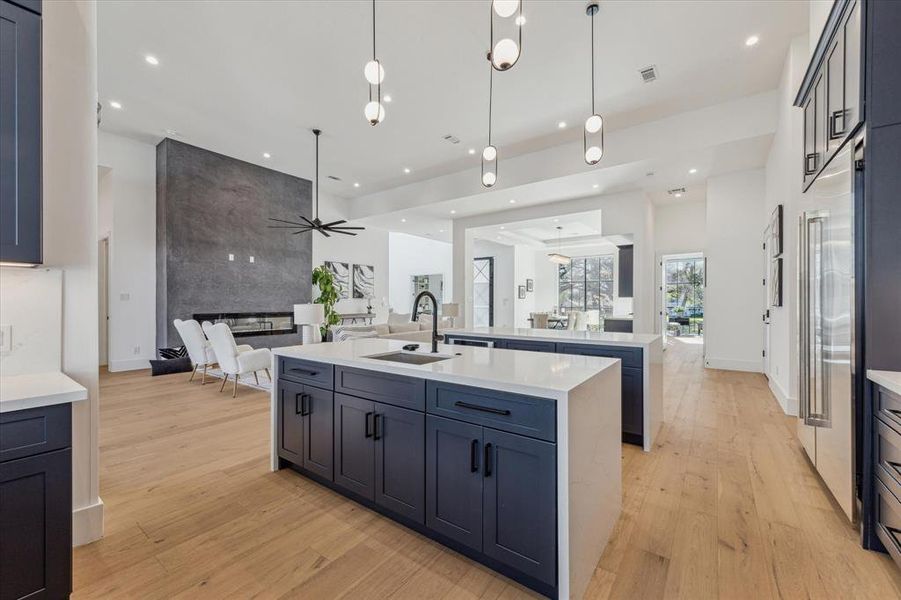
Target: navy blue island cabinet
column 474, row 469
column 20, row 131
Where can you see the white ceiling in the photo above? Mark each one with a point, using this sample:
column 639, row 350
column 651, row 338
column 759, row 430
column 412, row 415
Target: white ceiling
column 243, row 78
column 543, row 232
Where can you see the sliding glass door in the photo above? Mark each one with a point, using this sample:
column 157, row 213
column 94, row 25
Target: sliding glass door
column 483, row 292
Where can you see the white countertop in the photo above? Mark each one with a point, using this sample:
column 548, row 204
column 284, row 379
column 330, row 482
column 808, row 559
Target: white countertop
column 890, row 380
column 19, row 392
column 547, row 375
column 608, row 338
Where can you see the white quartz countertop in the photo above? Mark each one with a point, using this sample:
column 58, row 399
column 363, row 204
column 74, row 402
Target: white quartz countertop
column 890, row 380
column 607, row 338
column 548, row 375
column 19, row 392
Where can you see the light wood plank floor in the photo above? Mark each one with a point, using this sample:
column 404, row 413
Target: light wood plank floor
column 725, row 506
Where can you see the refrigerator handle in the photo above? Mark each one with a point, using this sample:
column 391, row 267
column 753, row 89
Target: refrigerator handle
column 815, row 357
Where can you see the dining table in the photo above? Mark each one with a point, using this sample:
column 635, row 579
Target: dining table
column 554, row 321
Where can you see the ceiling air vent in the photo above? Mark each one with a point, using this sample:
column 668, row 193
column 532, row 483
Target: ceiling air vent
column 333, row 178
column 648, row 74
column 675, row 191
column 451, row 138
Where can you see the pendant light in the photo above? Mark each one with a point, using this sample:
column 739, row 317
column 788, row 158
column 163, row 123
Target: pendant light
column 506, row 28
column 593, row 132
column 557, row 257
column 489, row 154
column 374, row 73
column 316, row 224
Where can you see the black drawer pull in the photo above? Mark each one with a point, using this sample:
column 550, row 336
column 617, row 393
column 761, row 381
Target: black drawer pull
column 305, row 405
column 298, row 404
column 488, row 459
column 368, row 426
column 834, row 131
column 495, row 411
column 474, row 456
column 376, row 419
column 306, row 372
column 807, row 158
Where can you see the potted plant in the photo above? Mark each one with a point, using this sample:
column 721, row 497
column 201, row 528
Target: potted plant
column 329, row 293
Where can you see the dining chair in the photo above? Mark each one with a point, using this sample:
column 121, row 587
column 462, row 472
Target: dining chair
column 232, row 361
column 577, row 320
column 539, row 320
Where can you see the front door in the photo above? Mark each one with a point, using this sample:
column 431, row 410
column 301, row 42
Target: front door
column 483, row 292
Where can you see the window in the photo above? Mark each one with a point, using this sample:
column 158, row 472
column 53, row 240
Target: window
column 586, row 283
column 685, row 293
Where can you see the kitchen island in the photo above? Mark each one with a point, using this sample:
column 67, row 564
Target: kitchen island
column 510, row 458
column 642, row 366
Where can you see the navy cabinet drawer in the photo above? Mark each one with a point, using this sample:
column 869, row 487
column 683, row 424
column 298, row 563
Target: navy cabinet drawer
column 516, row 413
column 306, row 371
column 888, row 405
column 888, row 456
column 888, row 521
column 406, row 392
column 631, row 357
column 35, row 431
column 530, row 345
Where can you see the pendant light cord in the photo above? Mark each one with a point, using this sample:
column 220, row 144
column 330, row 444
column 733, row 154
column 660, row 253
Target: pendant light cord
column 377, row 62
column 490, row 97
column 317, row 174
column 592, row 63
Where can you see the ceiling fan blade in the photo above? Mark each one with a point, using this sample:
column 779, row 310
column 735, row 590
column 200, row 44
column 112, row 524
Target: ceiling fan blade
column 323, row 232
column 301, row 231
column 288, row 222
column 357, row 228
column 312, row 224
column 333, row 223
column 342, row 232
column 286, row 226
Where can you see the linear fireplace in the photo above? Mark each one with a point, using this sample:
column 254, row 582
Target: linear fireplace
column 245, row 324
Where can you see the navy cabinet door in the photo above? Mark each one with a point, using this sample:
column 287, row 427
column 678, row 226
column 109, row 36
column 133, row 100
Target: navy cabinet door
column 36, row 526
column 399, row 436
column 632, row 398
column 530, row 345
column 354, row 450
column 318, row 438
column 454, row 480
column 290, row 422
column 20, row 134
column 520, row 518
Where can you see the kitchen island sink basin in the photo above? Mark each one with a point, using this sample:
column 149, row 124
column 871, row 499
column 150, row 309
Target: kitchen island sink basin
column 411, row 358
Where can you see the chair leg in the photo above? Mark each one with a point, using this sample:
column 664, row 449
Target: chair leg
column 194, row 372
column 256, row 377
column 268, row 375
column 235, row 389
column 224, row 380
column 203, row 376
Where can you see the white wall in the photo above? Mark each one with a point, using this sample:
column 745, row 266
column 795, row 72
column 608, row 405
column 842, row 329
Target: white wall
column 369, row 247
column 680, row 228
column 127, row 205
column 524, row 267
column 734, row 298
column 783, row 186
column 410, row 255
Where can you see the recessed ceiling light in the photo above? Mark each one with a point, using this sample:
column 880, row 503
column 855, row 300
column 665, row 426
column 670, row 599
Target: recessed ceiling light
column 403, row 220
column 472, row 150
column 266, row 155
column 561, row 125
column 556, row 220
column 440, row 231
column 406, row 170
column 453, row 212
column 502, row 227
column 386, row 98
column 512, row 201
column 752, row 41
column 692, row 171
column 677, row 195
column 356, row 184
column 151, row 60
column 520, row 20
column 115, row 104
column 596, row 186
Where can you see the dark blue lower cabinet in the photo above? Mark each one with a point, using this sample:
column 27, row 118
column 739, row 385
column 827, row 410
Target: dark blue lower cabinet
column 519, row 519
column 318, row 413
column 290, row 422
column 354, row 450
column 632, row 401
column 454, row 480
column 399, row 438
column 529, row 345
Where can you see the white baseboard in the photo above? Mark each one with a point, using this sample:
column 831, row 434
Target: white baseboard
column 753, row 366
column 132, row 364
column 87, row 524
column 789, row 405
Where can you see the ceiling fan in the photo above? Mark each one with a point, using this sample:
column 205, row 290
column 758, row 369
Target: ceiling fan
column 316, row 224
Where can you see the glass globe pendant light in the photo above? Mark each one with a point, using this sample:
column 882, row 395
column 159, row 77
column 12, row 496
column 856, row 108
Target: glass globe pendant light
column 506, row 33
column 489, row 154
column 593, row 132
column 374, row 73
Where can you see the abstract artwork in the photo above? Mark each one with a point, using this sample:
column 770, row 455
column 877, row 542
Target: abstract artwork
column 530, row 285
column 341, row 273
column 364, row 281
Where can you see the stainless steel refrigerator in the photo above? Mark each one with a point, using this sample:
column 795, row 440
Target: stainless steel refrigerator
column 827, row 328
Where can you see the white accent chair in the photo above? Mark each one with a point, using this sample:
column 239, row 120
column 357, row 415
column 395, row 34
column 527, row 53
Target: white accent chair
column 577, row 320
column 199, row 349
column 234, row 362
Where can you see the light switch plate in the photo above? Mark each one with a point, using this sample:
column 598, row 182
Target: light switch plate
column 6, row 338
column 251, row 260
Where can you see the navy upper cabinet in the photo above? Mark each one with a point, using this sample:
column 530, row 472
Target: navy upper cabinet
column 20, row 133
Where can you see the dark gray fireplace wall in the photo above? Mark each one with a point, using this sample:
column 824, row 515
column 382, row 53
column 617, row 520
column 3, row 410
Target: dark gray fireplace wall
column 209, row 206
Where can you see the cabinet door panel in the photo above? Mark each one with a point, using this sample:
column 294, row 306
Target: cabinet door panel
column 835, row 92
column 290, row 425
column 520, row 516
column 529, row 345
column 399, row 436
column 354, row 453
column 633, row 401
column 36, row 526
column 453, row 480
column 852, row 68
column 20, row 134
column 318, row 450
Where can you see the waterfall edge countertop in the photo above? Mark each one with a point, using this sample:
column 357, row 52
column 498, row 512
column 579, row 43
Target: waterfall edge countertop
column 21, row 392
column 550, row 376
column 890, row 380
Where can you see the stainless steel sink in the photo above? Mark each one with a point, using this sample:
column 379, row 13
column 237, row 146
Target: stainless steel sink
column 410, row 358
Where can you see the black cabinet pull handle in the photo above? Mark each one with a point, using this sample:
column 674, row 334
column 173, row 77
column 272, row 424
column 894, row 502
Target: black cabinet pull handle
column 488, row 459
column 487, row 409
column 807, row 158
column 298, row 404
column 305, row 405
column 368, row 432
column 376, row 419
column 474, row 456
column 834, row 131
column 304, row 371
